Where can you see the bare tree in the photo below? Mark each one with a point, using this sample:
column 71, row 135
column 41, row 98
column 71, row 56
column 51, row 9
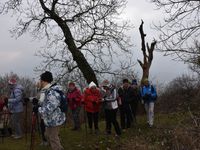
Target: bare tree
column 82, row 32
column 180, row 28
column 194, row 60
column 147, row 53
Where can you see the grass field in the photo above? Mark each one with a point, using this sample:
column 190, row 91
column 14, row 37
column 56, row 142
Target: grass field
column 139, row 137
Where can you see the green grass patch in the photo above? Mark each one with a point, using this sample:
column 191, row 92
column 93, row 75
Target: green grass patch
column 138, row 137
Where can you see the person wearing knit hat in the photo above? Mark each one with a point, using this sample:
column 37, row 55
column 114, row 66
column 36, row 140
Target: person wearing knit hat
column 50, row 111
column 15, row 106
column 92, row 85
column 92, row 101
column 12, row 81
column 47, row 77
column 74, row 98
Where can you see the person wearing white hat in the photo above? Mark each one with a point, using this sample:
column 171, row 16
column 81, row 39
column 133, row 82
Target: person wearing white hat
column 92, row 101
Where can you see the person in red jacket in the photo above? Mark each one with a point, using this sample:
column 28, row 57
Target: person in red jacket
column 74, row 100
column 92, row 101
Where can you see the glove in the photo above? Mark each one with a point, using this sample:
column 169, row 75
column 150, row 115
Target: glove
column 35, row 101
column 35, row 109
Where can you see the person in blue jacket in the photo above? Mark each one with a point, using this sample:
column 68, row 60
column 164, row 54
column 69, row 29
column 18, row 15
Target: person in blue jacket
column 149, row 96
column 15, row 106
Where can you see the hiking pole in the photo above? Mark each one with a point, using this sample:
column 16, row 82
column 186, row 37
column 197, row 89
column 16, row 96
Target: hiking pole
column 26, row 117
column 85, row 119
column 33, row 123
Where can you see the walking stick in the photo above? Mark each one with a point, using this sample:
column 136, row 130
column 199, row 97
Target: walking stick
column 33, row 124
column 26, row 120
column 85, row 119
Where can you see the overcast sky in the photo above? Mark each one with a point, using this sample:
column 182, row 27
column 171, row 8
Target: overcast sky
column 18, row 55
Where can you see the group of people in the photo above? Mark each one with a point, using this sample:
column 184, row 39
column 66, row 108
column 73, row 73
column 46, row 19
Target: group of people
column 94, row 99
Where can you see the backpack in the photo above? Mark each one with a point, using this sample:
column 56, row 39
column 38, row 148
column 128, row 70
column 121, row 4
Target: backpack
column 63, row 101
column 153, row 90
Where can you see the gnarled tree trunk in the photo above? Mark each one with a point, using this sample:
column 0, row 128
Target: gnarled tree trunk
column 78, row 56
column 147, row 54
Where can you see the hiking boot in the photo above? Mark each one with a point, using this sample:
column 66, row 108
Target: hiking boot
column 17, row 137
column 150, row 126
column 12, row 136
column 44, row 143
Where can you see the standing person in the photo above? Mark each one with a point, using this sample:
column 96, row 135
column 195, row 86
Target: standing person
column 92, row 101
column 126, row 95
column 111, row 107
column 50, row 111
column 149, row 95
column 136, row 98
column 74, row 100
column 15, row 106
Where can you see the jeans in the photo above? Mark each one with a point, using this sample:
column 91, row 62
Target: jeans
column 16, row 123
column 111, row 119
column 93, row 118
column 76, row 119
column 149, row 107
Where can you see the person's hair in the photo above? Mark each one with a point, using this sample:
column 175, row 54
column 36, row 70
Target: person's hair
column 125, row 81
column 46, row 76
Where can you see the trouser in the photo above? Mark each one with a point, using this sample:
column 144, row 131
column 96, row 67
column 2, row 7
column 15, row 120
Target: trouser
column 110, row 116
column 134, row 106
column 93, row 118
column 16, row 123
column 149, row 107
column 76, row 119
column 125, row 116
column 52, row 134
column 42, row 127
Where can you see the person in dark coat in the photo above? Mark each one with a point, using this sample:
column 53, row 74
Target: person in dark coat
column 126, row 95
column 136, row 99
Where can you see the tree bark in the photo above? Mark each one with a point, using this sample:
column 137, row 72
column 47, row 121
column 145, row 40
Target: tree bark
column 77, row 55
column 147, row 54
